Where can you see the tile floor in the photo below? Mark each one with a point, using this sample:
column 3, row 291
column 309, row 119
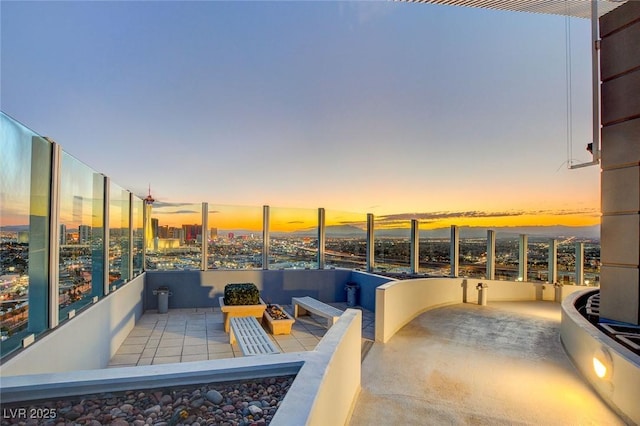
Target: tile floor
column 184, row 335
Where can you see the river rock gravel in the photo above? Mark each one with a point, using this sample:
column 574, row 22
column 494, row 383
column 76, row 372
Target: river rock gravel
column 241, row 403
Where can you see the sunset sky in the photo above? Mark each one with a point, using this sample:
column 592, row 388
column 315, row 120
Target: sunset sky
column 449, row 115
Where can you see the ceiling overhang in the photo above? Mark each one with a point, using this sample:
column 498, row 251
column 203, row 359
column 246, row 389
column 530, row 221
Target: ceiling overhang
column 574, row 8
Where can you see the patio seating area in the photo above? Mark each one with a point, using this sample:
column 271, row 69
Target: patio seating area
column 184, row 335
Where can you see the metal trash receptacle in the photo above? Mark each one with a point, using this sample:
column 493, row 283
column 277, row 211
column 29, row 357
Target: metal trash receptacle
column 351, row 289
column 163, row 294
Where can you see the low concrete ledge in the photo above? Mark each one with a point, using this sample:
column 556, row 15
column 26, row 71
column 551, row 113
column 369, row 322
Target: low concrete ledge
column 397, row 303
column 324, row 391
column 582, row 340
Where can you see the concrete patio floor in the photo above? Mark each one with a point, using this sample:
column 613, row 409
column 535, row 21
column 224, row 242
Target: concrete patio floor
column 183, row 335
column 464, row 364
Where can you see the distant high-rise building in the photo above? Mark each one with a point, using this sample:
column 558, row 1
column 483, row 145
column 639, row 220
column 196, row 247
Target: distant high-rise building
column 213, row 233
column 63, row 234
column 148, row 229
column 163, row 231
column 84, row 234
column 191, row 232
column 230, row 235
column 155, row 228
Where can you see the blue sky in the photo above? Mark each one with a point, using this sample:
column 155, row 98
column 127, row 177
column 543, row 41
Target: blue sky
column 374, row 107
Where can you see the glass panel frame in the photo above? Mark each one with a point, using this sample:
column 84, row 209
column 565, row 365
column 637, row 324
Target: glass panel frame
column 293, row 235
column 119, row 236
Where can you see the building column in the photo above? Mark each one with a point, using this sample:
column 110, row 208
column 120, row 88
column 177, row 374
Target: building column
column 620, row 177
column 579, row 264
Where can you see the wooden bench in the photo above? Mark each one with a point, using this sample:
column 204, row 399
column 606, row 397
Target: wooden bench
column 302, row 305
column 251, row 337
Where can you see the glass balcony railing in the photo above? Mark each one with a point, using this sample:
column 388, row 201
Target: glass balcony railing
column 70, row 236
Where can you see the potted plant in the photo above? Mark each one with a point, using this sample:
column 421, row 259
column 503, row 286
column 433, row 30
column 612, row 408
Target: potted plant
column 277, row 319
column 241, row 300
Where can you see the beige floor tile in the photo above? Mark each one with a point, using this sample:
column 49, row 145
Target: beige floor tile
column 149, row 352
column 165, row 359
column 145, row 361
column 221, row 355
column 193, row 350
column 130, row 349
column 169, row 351
column 141, row 340
column 194, row 357
column 164, row 343
column 124, row 359
column 219, row 347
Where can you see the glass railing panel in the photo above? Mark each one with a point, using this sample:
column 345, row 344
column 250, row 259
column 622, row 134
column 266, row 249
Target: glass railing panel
column 119, row 228
column 345, row 240
column 507, row 256
column 392, row 252
column 567, row 261
column 434, row 250
column 81, row 255
column 138, row 235
column 235, row 237
column 473, row 253
column 538, row 259
column 176, row 240
column 293, row 238
column 24, row 233
column 592, row 263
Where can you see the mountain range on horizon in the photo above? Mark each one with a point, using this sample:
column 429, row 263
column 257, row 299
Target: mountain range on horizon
column 350, row 231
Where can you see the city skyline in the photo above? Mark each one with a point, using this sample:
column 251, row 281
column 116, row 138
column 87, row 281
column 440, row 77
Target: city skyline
column 417, row 111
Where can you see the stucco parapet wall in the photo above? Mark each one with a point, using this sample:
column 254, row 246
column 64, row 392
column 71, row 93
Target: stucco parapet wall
column 399, row 302
column 581, row 340
column 324, row 391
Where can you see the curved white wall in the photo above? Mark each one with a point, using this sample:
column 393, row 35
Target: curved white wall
column 581, row 340
column 399, row 302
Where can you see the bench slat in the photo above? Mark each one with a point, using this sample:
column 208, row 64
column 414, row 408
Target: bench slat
column 251, row 337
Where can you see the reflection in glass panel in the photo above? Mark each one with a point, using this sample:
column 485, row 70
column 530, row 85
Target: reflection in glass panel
column 176, row 238
column 507, row 252
column 25, row 176
column 118, row 235
column 138, row 235
column 294, row 238
column 473, row 253
column 345, row 240
column 538, row 259
column 392, row 252
column 235, row 237
column 592, row 262
column 435, row 253
column 81, row 258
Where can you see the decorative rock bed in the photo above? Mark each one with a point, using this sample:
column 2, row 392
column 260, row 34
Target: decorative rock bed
column 242, row 403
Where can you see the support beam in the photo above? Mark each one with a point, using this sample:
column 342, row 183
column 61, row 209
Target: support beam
column 552, row 261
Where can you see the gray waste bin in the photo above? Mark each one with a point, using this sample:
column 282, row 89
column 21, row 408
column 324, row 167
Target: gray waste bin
column 163, row 299
column 351, row 289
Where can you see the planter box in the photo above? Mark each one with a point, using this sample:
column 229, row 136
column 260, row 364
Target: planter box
column 229, row 311
column 278, row 326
